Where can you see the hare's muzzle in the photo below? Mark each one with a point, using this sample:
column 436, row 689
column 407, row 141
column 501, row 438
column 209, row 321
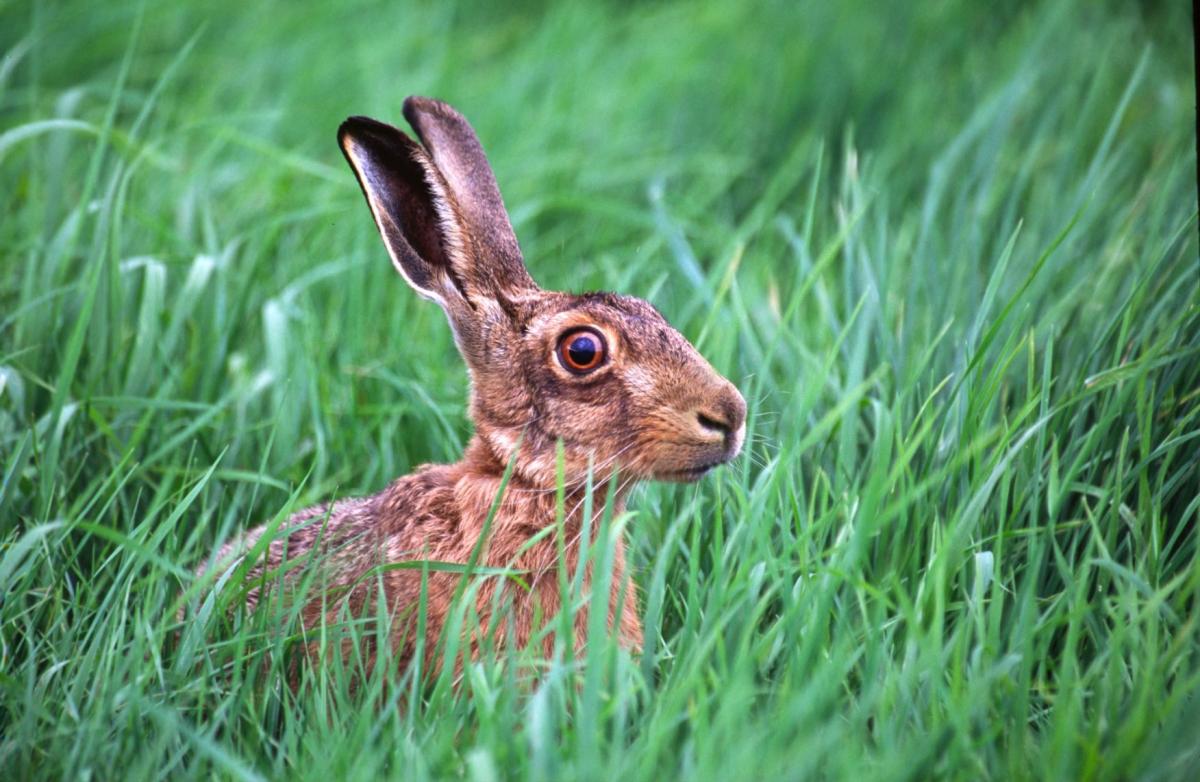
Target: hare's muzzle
column 708, row 433
column 722, row 421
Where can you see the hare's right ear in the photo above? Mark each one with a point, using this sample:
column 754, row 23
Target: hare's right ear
column 411, row 208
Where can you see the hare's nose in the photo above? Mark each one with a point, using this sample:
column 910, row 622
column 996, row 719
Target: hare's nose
column 713, row 423
column 724, row 416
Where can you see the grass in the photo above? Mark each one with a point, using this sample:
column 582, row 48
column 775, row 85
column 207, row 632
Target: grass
column 949, row 254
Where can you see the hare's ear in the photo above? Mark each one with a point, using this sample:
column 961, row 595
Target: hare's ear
column 494, row 266
column 411, row 209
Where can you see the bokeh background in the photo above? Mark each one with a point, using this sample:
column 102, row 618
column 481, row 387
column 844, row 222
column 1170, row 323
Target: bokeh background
column 947, row 250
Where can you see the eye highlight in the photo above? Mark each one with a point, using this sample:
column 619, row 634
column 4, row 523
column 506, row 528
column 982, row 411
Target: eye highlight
column 581, row 350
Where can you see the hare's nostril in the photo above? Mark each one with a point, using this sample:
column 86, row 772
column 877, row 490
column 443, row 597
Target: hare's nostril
column 713, row 424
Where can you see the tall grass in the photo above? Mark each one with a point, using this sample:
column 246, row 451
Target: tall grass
column 949, row 254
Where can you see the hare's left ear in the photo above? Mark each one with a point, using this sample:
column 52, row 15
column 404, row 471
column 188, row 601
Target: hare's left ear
column 438, row 209
column 494, row 266
column 411, row 209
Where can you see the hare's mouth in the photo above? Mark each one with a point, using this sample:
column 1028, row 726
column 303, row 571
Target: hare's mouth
column 688, row 474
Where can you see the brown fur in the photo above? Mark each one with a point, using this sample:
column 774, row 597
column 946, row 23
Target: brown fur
column 654, row 409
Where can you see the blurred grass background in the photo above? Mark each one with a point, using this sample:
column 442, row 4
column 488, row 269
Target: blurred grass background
column 947, row 250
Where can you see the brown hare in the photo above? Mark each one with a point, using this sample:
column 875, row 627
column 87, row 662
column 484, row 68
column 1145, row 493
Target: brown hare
column 625, row 394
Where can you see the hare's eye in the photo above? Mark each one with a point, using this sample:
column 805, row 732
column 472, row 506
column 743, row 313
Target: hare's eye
column 581, row 350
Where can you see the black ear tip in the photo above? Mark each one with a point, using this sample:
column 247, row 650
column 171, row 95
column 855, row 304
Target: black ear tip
column 370, row 133
column 415, row 106
column 357, row 126
column 349, row 128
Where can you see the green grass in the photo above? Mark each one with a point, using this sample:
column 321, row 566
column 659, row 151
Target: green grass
column 948, row 252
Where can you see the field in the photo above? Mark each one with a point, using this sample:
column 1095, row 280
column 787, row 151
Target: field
column 948, row 252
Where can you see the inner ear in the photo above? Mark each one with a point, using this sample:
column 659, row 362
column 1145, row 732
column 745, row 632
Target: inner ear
column 392, row 175
column 411, row 195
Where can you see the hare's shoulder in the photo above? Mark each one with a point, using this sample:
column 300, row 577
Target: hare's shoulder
column 420, row 503
column 411, row 506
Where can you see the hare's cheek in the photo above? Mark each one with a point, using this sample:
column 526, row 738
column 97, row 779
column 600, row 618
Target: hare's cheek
column 639, row 384
column 657, row 435
column 589, row 428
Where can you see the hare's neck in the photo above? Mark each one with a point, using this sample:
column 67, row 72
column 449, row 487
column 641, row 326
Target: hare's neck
column 535, row 504
column 481, row 457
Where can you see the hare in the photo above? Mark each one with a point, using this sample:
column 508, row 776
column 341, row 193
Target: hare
column 626, row 395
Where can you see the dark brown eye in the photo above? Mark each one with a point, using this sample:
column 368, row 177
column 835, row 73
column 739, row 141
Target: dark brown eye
column 581, row 350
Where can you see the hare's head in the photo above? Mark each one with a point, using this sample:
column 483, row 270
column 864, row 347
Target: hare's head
column 603, row 373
